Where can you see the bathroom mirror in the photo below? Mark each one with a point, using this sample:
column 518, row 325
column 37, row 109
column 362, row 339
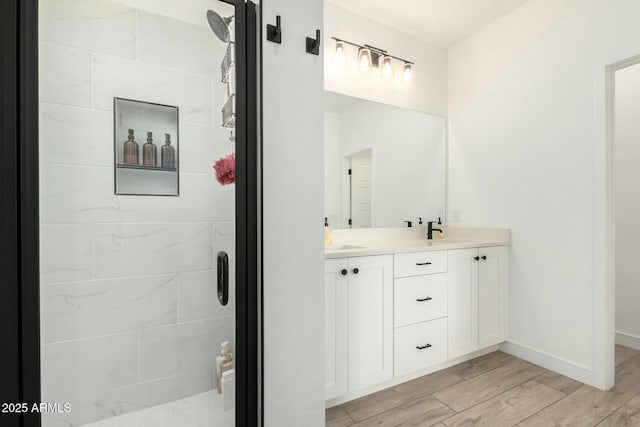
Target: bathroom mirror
column 384, row 165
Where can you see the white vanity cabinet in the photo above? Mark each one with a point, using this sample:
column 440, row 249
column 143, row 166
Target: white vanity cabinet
column 390, row 317
column 420, row 311
column 335, row 327
column 358, row 323
column 476, row 299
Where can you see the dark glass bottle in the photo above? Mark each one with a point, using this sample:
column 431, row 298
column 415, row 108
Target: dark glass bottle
column 149, row 152
column 131, row 151
column 168, row 153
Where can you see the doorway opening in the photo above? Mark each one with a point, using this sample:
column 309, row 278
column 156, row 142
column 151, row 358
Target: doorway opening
column 626, row 213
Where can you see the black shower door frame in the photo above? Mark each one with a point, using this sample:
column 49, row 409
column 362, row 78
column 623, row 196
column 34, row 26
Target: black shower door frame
column 20, row 377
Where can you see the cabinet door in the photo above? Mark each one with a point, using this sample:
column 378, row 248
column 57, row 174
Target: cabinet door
column 370, row 321
column 335, row 328
column 463, row 302
column 492, row 286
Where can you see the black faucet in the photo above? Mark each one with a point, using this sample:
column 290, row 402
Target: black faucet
column 430, row 230
column 409, row 224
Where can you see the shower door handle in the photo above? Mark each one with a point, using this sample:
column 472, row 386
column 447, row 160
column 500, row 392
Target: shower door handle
column 223, row 277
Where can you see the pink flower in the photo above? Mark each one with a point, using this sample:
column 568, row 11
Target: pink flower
column 225, row 168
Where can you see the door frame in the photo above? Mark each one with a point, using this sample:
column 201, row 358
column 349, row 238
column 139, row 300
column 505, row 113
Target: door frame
column 19, row 221
column 20, row 378
column 604, row 218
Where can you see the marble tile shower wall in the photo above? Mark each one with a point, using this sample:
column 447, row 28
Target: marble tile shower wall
column 130, row 317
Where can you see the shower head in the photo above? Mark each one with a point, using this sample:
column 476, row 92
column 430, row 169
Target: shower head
column 219, row 25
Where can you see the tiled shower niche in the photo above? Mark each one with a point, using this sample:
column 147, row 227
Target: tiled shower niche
column 146, row 148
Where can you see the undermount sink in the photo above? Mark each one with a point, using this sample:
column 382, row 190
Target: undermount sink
column 344, row 247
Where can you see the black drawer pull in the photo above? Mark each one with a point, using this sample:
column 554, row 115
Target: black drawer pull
column 477, row 258
column 484, row 257
column 423, row 263
column 424, row 299
column 422, row 347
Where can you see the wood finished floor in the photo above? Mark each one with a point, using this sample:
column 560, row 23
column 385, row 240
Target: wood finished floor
column 499, row 390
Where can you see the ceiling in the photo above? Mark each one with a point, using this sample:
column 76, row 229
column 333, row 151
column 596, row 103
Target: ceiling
column 442, row 22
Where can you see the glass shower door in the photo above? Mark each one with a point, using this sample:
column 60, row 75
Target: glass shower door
column 148, row 212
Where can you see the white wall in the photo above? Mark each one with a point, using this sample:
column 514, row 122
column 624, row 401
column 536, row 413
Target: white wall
column 427, row 92
column 527, row 152
column 293, row 257
column 627, row 149
column 130, row 317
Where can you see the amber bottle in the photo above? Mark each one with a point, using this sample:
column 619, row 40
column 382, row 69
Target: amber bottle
column 168, row 153
column 149, row 152
column 131, row 150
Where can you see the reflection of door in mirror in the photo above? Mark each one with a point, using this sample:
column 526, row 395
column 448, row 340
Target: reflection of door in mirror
column 360, row 189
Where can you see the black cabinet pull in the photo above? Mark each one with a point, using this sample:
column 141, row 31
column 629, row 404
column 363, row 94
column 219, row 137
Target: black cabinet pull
column 423, row 263
column 477, row 258
column 424, row 299
column 484, row 257
column 344, row 271
column 422, row 347
column 356, row 271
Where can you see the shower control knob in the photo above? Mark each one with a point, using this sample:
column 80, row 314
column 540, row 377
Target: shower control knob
column 344, row 271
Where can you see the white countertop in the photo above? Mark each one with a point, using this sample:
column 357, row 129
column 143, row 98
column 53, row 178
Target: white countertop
column 461, row 239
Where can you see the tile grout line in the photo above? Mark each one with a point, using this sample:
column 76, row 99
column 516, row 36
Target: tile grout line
column 543, row 409
column 492, row 397
column 131, row 331
column 397, row 406
column 498, row 395
column 462, row 379
column 564, row 395
column 350, row 417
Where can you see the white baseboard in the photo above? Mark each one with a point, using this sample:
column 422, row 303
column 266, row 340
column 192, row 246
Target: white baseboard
column 564, row 367
column 399, row 380
column 628, row 340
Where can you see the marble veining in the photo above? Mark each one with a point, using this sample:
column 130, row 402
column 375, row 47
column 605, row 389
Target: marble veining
column 202, row 410
column 123, row 250
column 74, row 368
column 130, row 317
column 172, row 43
column 98, row 25
column 118, row 77
column 68, row 77
column 177, row 348
column 73, row 135
column 85, row 309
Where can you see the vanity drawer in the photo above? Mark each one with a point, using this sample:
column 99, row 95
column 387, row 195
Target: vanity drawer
column 416, row 263
column 419, row 346
column 419, row 298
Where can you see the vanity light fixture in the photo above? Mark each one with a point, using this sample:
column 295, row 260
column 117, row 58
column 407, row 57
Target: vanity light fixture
column 408, row 72
column 364, row 59
column 387, row 67
column 371, row 57
column 339, row 60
